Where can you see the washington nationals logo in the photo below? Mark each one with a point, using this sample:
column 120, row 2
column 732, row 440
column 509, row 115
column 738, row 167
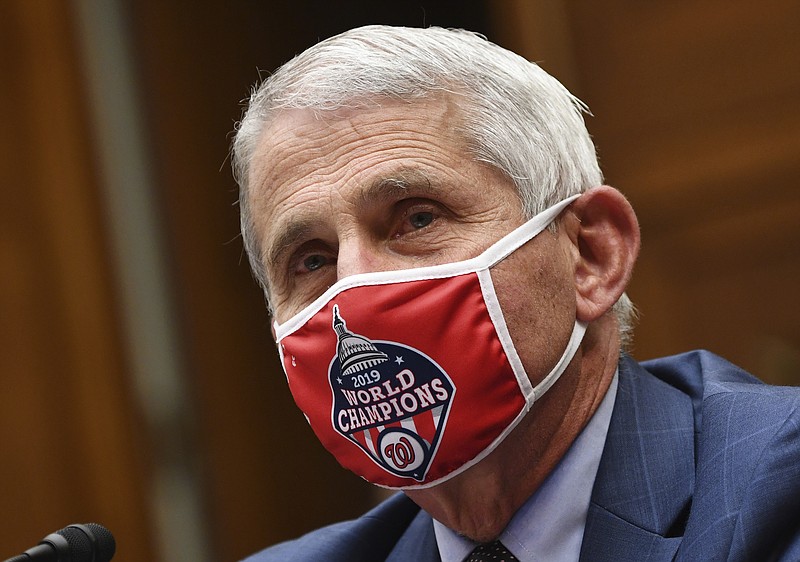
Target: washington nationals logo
column 389, row 399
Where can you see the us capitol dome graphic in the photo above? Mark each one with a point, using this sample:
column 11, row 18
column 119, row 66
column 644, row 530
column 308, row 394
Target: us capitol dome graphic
column 356, row 353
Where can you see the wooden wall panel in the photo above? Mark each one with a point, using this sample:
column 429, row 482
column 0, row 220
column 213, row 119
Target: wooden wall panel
column 68, row 431
column 266, row 477
column 696, row 120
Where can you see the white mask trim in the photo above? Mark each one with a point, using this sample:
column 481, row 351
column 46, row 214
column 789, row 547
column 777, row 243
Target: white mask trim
column 569, row 353
column 574, row 342
column 499, row 321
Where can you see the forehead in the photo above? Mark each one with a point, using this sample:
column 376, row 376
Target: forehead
column 333, row 149
column 305, row 157
column 313, row 176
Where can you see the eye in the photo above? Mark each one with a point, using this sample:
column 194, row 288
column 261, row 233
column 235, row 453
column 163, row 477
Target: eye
column 300, row 274
column 416, row 216
column 311, row 260
column 421, row 219
column 314, row 262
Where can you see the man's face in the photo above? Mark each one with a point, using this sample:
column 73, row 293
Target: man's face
column 395, row 188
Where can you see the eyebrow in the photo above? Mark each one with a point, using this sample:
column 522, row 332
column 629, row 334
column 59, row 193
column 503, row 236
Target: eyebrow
column 399, row 184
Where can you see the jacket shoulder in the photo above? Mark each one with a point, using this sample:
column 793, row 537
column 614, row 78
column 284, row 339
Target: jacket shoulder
column 712, row 382
column 747, row 476
column 366, row 539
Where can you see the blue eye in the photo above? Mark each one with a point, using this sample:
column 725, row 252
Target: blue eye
column 421, row 219
column 314, row 262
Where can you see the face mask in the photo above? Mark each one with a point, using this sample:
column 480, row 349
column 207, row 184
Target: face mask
column 410, row 377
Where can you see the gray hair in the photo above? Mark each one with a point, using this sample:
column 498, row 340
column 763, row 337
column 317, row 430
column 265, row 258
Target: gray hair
column 514, row 116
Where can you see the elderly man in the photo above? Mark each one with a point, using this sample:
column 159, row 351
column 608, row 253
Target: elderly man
column 446, row 272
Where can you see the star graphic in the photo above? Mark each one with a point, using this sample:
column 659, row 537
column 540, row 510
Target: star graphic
column 339, row 380
column 398, row 359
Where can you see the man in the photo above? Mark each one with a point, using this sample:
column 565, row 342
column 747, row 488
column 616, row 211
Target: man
column 446, row 272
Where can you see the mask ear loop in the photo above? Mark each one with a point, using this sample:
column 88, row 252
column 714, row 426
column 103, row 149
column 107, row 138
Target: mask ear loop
column 524, row 233
column 530, row 392
column 535, row 393
column 499, row 251
column 575, row 339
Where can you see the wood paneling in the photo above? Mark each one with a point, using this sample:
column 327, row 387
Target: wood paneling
column 266, row 477
column 68, row 430
column 696, row 120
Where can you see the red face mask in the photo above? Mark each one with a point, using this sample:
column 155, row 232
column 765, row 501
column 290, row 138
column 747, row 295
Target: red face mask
column 410, row 377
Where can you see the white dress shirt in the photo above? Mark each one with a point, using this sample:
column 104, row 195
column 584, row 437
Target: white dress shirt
column 549, row 526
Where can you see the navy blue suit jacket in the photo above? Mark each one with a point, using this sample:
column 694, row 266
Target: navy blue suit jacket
column 701, row 463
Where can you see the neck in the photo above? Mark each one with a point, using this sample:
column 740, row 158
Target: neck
column 480, row 502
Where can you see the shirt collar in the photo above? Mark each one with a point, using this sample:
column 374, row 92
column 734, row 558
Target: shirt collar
column 550, row 524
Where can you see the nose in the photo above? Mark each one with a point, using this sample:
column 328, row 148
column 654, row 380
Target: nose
column 358, row 257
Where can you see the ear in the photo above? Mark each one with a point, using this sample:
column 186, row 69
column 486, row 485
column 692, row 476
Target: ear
column 607, row 239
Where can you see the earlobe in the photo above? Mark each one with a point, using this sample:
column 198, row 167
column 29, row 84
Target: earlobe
column 606, row 235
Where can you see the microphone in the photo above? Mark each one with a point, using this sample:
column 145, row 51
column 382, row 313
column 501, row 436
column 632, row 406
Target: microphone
column 75, row 543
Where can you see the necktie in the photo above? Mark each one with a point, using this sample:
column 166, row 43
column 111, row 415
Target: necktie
column 491, row 552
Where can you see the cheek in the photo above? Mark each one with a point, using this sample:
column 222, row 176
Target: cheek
column 538, row 301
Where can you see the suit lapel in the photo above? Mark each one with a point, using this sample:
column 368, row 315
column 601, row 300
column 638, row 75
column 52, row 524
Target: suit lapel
column 418, row 543
column 644, row 483
column 645, row 480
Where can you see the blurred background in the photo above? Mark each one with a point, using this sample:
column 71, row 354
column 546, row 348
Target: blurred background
column 140, row 386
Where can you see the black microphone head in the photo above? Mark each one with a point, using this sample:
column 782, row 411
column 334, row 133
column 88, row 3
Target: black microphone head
column 75, row 543
column 79, row 544
column 105, row 544
column 90, row 542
